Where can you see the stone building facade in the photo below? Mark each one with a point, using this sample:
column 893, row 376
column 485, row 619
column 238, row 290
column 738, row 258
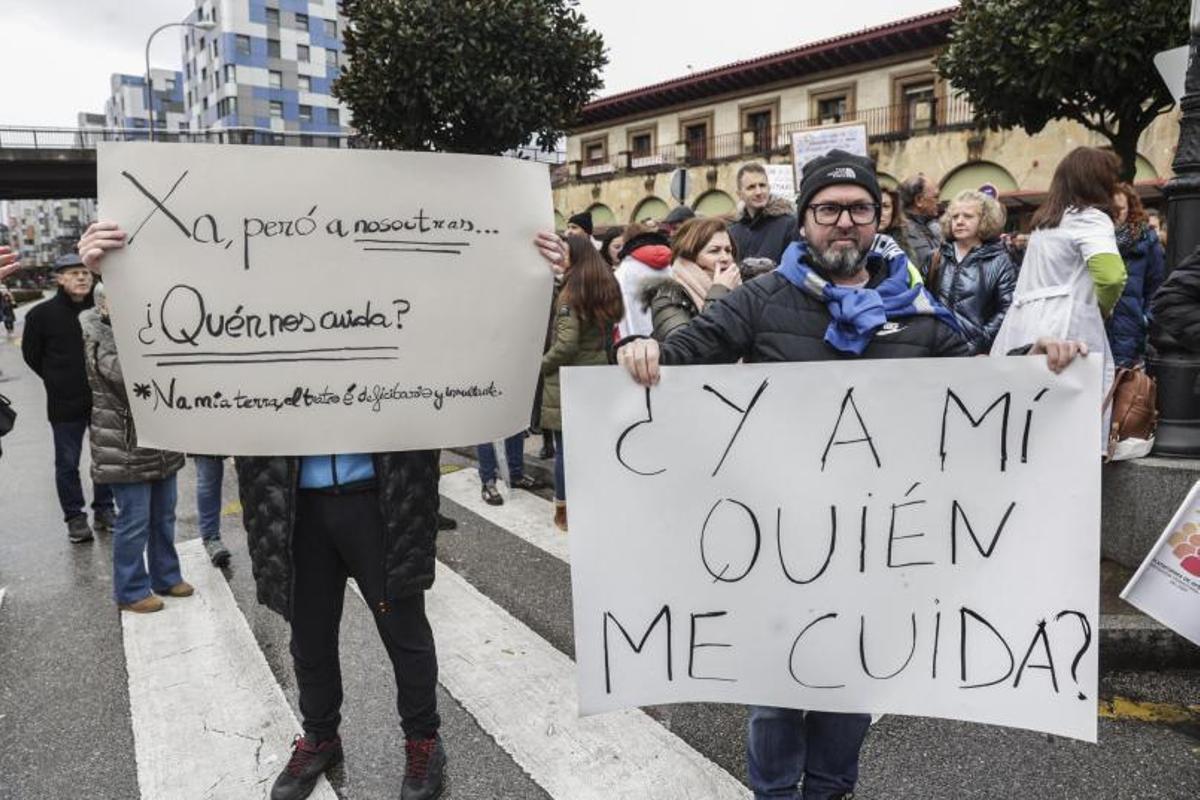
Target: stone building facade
column 619, row 162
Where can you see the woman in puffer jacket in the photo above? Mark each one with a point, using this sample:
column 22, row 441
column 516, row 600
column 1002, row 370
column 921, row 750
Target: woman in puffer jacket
column 142, row 479
column 703, row 270
column 972, row 274
column 1143, row 256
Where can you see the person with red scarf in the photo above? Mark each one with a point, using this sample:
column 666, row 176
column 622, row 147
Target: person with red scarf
column 646, row 254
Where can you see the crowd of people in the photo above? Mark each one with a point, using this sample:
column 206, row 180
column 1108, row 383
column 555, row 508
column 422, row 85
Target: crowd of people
column 812, row 278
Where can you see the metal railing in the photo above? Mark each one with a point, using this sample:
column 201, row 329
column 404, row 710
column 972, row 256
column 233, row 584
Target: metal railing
column 86, row 139
column 884, row 123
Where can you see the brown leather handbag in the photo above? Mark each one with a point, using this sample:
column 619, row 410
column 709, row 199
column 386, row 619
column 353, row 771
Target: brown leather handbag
column 1133, row 398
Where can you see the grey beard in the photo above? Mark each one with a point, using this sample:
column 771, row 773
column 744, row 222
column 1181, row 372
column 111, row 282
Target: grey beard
column 839, row 262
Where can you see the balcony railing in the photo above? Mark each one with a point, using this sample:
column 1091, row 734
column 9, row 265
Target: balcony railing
column 87, row 138
column 883, row 124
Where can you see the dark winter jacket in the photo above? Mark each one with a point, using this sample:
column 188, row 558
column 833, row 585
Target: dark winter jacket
column 772, row 319
column 53, row 348
column 924, row 239
column 767, row 234
column 407, row 487
column 671, row 306
column 116, row 457
column 576, row 344
column 978, row 290
column 1176, row 307
column 1129, row 321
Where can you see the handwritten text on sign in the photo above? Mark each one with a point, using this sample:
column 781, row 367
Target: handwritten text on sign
column 283, row 301
column 915, row 537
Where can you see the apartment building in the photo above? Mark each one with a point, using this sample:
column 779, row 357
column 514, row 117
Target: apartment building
column 267, row 65
column 128, row 106
column 621, row 157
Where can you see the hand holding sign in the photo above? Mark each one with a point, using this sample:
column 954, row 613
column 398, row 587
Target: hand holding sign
column 9, row 262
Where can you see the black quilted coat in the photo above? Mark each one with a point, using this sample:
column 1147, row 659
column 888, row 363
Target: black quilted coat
column 771, row 319
column 408, row 501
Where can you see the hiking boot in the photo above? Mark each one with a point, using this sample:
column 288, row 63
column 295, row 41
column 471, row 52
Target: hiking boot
column 217, row 554
column 424, row 768
column 309, row 760
column 78, row 530
column 491, row 495
column 103, row 520
column 146, row 605
column 181, row 589
column 446, row 523
column 526, row 482
column 560, row 515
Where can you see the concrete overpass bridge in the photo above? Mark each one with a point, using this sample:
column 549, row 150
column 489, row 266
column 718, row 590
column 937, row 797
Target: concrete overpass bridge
column 60, row 163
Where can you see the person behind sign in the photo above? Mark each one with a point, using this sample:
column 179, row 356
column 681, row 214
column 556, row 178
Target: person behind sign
column 1143, row 257
column 924, row 234
column 313, row 521
column 767, row 224
column 892, row 221
column 703, row 270
column 972, row 274
column 588, row 307
column 646, row 254
column 833, row 298
column 1073, row 274
column 52, row 346
column 610, row 245
column 142, row 479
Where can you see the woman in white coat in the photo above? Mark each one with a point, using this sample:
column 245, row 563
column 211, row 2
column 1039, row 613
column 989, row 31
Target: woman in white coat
column 1073, row 274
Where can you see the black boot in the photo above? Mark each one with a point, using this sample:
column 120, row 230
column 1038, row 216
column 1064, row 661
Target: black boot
column 309, row 760
column 424, row 769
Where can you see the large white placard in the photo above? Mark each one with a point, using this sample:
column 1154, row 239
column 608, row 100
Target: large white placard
column 275, row 300
column 812, row 142
column 1167, row 585
column 904, row 536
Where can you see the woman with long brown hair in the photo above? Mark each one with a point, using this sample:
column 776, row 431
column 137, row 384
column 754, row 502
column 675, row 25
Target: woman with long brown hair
column 1072, row 274
column 588, row 307
column 703, row 270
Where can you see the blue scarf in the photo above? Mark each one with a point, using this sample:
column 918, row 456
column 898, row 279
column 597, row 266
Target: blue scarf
column 859, row 313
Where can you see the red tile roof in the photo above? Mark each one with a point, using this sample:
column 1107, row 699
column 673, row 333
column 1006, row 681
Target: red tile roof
column 907, row 35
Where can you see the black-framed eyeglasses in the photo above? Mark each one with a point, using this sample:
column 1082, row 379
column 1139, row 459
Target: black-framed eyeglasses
column 830, row 213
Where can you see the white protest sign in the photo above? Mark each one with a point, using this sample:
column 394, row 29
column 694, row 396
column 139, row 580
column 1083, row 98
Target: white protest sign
column 1167, row 584
column 915, row 536
column 782, row 180
column 288, row 301
column 812, row 142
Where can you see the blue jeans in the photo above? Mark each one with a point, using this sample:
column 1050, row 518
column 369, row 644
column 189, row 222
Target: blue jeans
column 786, row 744
column 560, row 478
column 144, row 533
column 514, row 452
column 68, row 446
column 209, row 473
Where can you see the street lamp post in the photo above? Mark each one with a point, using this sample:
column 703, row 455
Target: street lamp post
column 202, row 25
column 1176, row 368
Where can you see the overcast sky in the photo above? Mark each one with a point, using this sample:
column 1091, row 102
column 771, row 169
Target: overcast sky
column 56, row 56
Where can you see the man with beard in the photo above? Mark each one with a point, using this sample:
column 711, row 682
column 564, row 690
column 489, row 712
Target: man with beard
column 831, row 298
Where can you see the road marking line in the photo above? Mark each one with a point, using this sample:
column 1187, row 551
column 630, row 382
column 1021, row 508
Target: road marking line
column 209, row 719
column 1165, row 713
column 3, row 591
column 233, row 507
column 521, row 690
column 523, row 514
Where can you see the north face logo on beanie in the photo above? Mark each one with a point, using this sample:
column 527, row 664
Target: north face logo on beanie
column 841, row 173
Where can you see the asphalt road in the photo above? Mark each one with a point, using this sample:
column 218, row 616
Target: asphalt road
column 66, row 731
